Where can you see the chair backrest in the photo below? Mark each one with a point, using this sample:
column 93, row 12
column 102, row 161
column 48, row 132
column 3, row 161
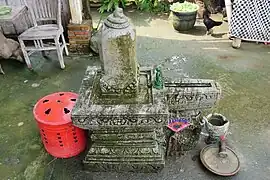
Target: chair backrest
column 45, row 10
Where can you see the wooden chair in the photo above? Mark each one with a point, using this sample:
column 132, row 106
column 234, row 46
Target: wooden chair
column 45, row 10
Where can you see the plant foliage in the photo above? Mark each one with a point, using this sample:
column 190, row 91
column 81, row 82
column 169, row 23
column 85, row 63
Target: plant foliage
column 109, row 5
column 152, row 5
column 144, row 5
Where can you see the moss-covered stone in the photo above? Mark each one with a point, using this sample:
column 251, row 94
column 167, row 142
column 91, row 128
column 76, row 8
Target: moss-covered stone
column 118, row 53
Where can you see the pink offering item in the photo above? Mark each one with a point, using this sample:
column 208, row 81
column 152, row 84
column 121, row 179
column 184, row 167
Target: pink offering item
column 177, row 125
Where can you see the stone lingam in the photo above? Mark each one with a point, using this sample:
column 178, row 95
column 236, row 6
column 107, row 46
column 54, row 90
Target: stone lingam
column 126, row 107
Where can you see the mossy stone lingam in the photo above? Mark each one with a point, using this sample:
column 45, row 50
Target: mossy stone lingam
column 118, row 52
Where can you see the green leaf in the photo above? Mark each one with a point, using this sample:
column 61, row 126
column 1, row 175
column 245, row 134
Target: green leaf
column 110, row 5
column 123, row 2
column 102, row 8
column 116, row 3
column 155, row 3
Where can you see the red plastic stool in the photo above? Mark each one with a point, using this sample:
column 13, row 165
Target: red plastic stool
column 53, row 115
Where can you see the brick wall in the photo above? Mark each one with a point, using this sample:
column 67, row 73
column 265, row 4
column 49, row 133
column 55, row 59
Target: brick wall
column 79, row 36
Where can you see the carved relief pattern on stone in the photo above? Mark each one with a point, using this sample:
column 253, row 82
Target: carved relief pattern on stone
column 125, row 167
column 131, row 88
column 182, row 99
column 192, row 116
column 192, row 94
column 125, row 136
column 134, row 120
column 123, row 151
column 126, row 149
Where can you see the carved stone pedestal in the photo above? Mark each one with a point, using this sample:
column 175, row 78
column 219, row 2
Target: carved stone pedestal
column 126, row 149
column 186, row 98
column 127, row 107
column 127, row 134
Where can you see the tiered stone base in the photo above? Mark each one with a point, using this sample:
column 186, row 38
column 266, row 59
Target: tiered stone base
column 126, row 149
column 129, row 136
column 79, row 37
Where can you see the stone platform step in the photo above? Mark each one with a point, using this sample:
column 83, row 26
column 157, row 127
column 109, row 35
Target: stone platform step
column 130, row 159
column 146, row 167
column 123, row 136
column 125, row 151
column 133, row 157
column 121, row 144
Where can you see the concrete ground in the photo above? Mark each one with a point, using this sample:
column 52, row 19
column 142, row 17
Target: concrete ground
column 243, row 73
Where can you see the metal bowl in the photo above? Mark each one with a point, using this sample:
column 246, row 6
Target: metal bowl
column 228, row 166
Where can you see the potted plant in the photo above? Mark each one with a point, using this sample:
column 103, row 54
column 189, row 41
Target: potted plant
column 184, row 15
